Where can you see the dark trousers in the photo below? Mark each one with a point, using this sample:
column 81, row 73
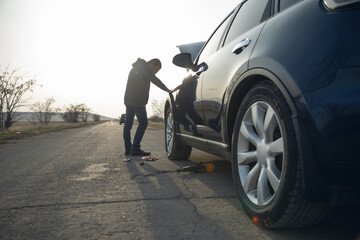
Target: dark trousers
column 141, row 115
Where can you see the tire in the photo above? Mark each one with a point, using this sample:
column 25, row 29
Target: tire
column 266, row 166
column 174, row 148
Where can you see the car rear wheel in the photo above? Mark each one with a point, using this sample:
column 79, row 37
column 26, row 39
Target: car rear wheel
column 266, row 165
column 174, row 148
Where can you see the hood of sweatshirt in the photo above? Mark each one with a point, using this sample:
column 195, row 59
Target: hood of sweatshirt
column 139, row 61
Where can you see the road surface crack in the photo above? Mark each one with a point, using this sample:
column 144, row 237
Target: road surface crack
column 78, row 204
column 154, row 174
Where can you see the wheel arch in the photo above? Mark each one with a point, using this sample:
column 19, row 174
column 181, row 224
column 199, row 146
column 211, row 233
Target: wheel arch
column 239, row 89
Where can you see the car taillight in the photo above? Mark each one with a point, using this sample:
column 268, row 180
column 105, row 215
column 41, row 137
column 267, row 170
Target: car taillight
column 341, row 4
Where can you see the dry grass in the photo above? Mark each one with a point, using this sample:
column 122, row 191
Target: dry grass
column 26, row 129
column 22, row 126
column 160, row 125
column 152, row 124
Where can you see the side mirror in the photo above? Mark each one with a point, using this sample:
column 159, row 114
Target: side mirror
column 183, row 60
column 201, row 68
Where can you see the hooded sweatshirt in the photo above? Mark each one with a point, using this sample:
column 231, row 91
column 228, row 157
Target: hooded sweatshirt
column 138, row 84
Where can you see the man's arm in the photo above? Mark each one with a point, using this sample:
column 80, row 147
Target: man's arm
column 177, row 88
column 159, row 84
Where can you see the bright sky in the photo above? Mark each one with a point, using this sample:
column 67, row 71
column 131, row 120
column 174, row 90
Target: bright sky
column 81, row 51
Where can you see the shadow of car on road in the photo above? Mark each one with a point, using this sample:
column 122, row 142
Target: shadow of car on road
column 180, row 205
column 342, row 222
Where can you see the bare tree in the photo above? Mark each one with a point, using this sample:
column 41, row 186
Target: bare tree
column 44, row 111
column 72, row 113
column 158, row 110
column 84, row 112
column 13, row 86
column 2, row 99
column 96, row 117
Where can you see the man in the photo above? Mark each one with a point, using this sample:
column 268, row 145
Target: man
column 136, row 98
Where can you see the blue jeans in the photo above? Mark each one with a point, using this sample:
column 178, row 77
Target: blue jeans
column 141, row 115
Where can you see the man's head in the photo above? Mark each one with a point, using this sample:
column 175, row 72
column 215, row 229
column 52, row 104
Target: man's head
column 155, row 65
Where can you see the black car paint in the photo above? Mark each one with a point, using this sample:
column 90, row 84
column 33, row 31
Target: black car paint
column 316, row 65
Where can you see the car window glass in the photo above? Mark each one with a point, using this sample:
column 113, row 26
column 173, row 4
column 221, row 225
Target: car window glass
column 286, row 3
column 251, row 13
column 214, row 42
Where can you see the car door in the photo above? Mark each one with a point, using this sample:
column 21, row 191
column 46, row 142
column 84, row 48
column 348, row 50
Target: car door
column 189, row 105
column 228, row 62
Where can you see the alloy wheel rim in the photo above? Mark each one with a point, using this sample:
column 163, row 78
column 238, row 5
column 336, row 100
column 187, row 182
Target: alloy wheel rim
column 169, row 133
column 260, row 153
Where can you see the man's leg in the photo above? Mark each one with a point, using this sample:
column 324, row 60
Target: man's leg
column 141, row 115
column 130, row 114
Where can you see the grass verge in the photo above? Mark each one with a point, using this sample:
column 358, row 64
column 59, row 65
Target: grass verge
column 160, row 125
column 28, row 132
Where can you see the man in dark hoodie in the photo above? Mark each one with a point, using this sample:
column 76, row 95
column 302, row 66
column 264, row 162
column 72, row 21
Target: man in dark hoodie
column 136, row 98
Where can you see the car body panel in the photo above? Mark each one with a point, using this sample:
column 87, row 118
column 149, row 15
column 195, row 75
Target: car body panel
column 324, row 92
column 315, row 62
column 218, row 77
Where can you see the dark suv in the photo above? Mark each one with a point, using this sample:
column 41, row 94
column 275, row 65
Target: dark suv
column 276, row 91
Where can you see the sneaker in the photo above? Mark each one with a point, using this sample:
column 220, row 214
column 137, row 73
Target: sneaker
column 139, row 152
column 127, row 152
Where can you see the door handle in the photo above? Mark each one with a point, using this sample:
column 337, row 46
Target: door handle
column 241, row 46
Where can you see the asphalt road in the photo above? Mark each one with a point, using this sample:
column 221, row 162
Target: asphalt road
column 74, row 185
